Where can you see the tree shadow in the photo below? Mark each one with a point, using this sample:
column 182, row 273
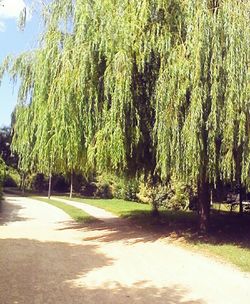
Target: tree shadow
column 10, row 213
column 139, row 226
column 226, row 229
column 140, row 292
column 40, row 272
column 48, row 272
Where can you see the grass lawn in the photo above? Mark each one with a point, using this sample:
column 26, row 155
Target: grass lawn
column 231, row 253
column 77, row 214
column 228, row 240
column 119, row 207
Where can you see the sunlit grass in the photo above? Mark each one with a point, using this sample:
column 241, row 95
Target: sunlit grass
column 76, row 213
column 119, row 207
column 231, row 253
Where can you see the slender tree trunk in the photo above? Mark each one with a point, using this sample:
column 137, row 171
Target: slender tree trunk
column 23, row 183
column 238, row 158
column 240, row 200
column 155, row 211
column 71, row 184
column 49, row 190
column 204, row 206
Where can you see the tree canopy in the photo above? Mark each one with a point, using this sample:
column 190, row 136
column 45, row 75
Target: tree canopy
column 160, row 87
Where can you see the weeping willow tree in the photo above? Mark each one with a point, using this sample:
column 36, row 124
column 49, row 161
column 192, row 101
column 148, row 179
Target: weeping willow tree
column 160, row 87
column 202, row 100
column 48, row 133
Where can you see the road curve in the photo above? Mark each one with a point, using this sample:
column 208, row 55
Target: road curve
column 46, row 258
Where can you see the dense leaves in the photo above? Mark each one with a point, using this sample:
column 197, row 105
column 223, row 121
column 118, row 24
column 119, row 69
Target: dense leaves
column 155, row 87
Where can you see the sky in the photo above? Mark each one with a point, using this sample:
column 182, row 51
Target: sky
column 14, row 41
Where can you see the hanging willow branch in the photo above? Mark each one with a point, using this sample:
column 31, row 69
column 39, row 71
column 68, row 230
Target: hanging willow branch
column 158, row 86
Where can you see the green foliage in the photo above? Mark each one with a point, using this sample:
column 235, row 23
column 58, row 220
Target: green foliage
column 175, row 195
column 125, row 188
column 178, row 195
column 196, row 85
column 88, row 189
column 165, row 93
column 97, row 187
column 103, row 190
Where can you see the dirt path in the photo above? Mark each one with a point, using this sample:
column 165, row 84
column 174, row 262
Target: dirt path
column 46, row 258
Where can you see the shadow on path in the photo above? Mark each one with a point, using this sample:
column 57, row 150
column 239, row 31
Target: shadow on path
column 225, row 229
column 10, row 212
column 47, row 272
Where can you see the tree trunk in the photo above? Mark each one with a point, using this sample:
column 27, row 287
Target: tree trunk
column 23, row 183
column 204, row 206
column 49, row 190
column 71, row 185
column 155, row 211
column 240, row 200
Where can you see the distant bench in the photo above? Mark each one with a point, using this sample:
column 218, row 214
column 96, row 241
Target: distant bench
column 233, row 202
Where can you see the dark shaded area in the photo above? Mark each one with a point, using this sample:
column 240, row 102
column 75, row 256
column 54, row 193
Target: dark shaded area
column 44, row 272
column 10, row 159
column 225, row 227
column 138, row 226
column 10, row 212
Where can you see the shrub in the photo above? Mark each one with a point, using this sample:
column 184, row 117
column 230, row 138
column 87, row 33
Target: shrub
column 103, row 190
column 38, row 182
column 59, row 183
column 155, row 195
column 88, row 189
column 125, row 188
column 79, row 182
column 8, row 181
column 176, row 195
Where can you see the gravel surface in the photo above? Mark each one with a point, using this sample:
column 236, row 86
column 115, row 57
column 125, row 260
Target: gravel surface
column 45, row 257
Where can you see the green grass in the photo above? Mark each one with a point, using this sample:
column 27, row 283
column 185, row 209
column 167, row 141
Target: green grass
column 230, row 253
column 119, row 207
column 141, row 213
column 77, row 214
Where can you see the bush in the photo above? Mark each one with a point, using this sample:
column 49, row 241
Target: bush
column 8, row 181
column 97, row 189
column 14, row 174
column 88, row 189
column 126, row 189
column 38, row 182
column 103, row 190
column 78, row 182
column 176, row 195
column 155, row 195
column 59, row 183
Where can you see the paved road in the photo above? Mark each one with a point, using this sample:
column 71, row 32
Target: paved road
column 46, row 258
